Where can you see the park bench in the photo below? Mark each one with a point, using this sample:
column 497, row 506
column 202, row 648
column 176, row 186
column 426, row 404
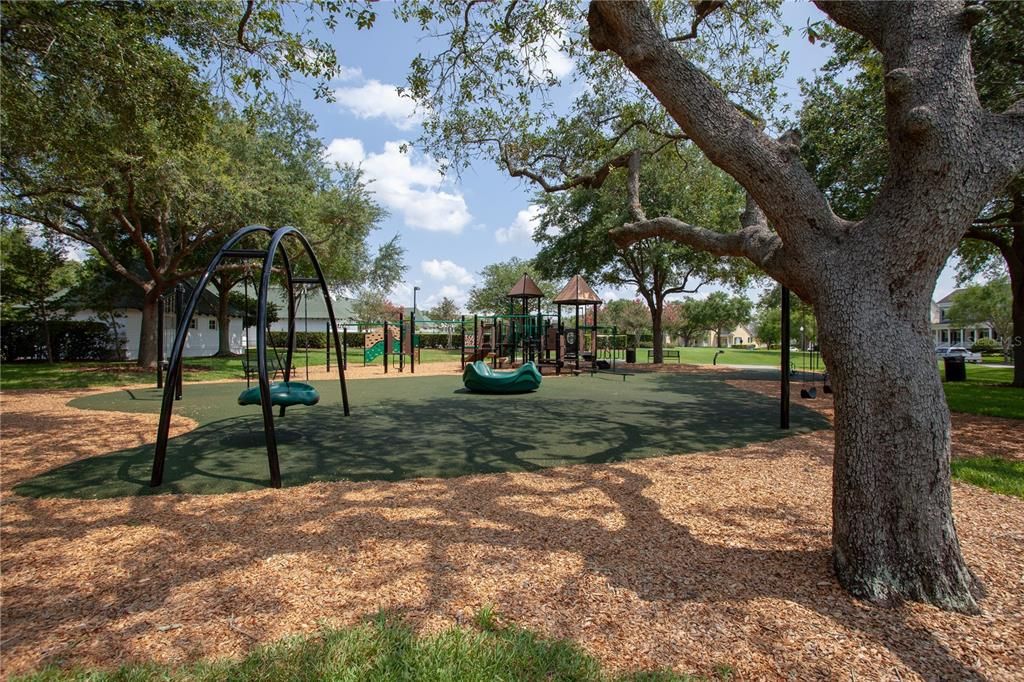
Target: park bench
column 666, row 354
column 250, row 365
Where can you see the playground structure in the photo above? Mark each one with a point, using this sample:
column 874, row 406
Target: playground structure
column 283, row 394
column 546, row 339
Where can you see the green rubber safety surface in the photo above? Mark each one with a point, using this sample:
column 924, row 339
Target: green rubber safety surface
column 429, row 426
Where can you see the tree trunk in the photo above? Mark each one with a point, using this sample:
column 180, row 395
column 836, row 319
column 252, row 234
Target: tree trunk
column 147, row 330
column 223, row 322
column 893, row 535
column 659, row 340
column 1017, row 342
column 47, row 335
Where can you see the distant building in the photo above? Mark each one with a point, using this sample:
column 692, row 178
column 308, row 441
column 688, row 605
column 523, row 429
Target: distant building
column 203, row 338
column 945, row 333
column 742, row 335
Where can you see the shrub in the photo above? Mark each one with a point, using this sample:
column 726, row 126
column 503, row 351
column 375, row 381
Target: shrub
column 987, row 346
column 72, row 340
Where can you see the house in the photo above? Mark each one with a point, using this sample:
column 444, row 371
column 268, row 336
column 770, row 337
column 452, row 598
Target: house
column 945, row 333
column 125, row 313
column 310, row 311
column 742, row 335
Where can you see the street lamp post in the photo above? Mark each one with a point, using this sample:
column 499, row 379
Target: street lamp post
column 414, row 290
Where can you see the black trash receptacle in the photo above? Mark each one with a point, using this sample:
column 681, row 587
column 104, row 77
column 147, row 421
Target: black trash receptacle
column 631, row 355
column 956, row 369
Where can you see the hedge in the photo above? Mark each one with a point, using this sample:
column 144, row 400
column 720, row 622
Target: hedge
column 72, row 340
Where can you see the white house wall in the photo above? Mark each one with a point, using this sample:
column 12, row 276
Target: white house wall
column 201, row 341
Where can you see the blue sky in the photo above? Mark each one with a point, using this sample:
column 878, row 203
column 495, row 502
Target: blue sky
column 452, row 227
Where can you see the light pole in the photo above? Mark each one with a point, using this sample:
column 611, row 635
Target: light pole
column 414, row 290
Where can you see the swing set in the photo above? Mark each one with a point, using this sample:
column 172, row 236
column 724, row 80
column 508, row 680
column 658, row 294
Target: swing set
column 283, row 394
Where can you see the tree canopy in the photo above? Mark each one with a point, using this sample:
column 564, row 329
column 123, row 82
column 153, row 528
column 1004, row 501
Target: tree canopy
column 490, row 295
column 990, row 303
column 115, row 136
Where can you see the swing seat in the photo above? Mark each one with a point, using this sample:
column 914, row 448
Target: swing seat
column 287, row 393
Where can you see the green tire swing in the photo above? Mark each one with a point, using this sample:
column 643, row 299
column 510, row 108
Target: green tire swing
column 284, row 393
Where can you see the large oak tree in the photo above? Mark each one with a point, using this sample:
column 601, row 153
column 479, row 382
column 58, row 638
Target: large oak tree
column 869, row 279
column 842, row 121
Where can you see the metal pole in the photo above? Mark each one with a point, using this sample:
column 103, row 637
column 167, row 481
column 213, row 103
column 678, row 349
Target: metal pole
column 462, row 331
column 327, row 342
column 160, row 342
column 179, row 303
column 401, row 342
column 386, row 344
column 558, row 342
column 784, row 400
column 412, row 339
column 579, row 345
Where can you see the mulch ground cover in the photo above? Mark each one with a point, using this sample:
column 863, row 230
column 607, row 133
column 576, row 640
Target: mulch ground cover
column 686, row 561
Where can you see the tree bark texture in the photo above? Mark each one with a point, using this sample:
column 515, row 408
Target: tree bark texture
column 147, row 331
column 223, row 322
column 893, row 535
column 870, row 282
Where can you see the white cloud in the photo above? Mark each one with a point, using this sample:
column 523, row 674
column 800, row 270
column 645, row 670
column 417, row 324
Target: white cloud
column 412, row 185
column 349, row 73
column 446, row 270
column 345, row 150
column 374, row 99
column 521, row 228
column 550, row 58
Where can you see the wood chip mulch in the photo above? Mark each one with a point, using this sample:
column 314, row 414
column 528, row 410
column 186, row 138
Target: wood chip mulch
column 686, row 562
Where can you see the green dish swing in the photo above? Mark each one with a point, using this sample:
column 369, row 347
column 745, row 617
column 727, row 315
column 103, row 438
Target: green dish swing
column 287, row 393
column 282, row 393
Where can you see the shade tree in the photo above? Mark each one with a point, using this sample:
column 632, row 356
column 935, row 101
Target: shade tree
column 843, row 121
column 869, row 278
column 573, row 232
column 489, row 296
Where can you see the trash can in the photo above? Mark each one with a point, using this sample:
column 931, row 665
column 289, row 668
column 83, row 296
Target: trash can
column 956, row 369
column 631, row 355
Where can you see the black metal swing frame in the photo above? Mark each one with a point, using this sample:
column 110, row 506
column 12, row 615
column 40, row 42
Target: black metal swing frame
column 229, row 252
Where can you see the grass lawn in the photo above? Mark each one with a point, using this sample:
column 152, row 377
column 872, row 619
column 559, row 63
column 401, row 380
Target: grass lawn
column 386, row 649
column 426, row 426
column 87, row 374
column 737, row 356
column 987, row 391
column 992, row 473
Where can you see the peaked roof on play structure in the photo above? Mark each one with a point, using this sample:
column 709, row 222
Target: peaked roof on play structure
column 525, row 288
column 577, row 292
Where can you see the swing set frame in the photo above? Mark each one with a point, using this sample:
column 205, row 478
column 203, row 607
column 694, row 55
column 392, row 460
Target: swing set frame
column 229, row 252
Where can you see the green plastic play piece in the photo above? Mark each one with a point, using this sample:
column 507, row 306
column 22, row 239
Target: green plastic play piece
column 480, row 378
column 285, row 393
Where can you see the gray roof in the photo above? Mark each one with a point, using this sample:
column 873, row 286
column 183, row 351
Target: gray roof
column 311, row 306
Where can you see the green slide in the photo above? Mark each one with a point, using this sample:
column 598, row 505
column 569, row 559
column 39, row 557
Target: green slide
column 480, row 378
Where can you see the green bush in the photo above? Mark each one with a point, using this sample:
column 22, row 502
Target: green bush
column 987, row 346
column 72, row 340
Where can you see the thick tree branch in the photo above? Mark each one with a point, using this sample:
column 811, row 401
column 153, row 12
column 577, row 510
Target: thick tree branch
column 864, row 18
column 771, row 171
column 702, row 10
column 756, row 243
column 633, row 186
column 249, row 6
column 985, row 234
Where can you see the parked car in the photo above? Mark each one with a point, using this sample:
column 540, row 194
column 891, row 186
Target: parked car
column 957, row 352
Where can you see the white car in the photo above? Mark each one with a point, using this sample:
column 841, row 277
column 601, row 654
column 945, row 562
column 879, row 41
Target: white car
column 957, row 352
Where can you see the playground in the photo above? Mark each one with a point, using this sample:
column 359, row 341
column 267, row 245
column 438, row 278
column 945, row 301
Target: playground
column 430, row 427
column 719, row 556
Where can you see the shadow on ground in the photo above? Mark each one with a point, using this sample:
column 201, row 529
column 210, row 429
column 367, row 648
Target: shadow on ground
column 426, row 427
